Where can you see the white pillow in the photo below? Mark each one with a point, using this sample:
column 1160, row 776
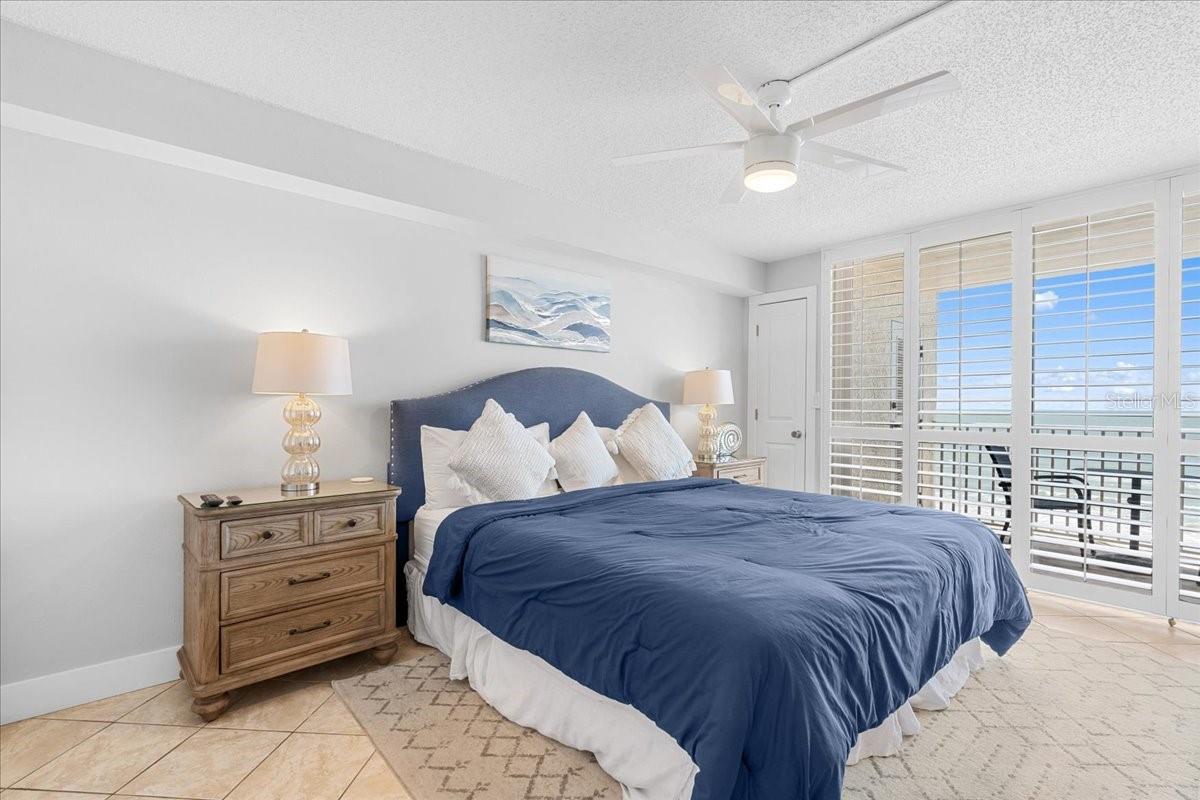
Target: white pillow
column 498, row 459
column 437, row 444
column 652, row 446
column 625, row 471
column 580, row 456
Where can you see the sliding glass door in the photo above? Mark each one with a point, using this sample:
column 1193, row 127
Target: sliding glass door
column 1095, row 420
column 1054, row 388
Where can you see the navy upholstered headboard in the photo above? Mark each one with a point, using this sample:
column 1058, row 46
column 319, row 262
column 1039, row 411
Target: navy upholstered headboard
column 543, row 394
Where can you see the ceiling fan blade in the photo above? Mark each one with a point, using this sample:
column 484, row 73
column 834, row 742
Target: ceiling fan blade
column 678, row 152
column 885, row 102
column 733, row 97
column 735, row 191
column 846, row 161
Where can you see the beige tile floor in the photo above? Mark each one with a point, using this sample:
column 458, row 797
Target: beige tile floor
column 292, row 739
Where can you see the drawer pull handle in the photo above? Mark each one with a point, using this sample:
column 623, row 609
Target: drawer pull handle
column 268, row 534
column 311, row 628
column 320, row 576
column 350, row 523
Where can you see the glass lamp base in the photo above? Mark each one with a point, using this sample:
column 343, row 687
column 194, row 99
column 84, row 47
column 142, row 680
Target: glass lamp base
column 706, row 453
column 301, row 474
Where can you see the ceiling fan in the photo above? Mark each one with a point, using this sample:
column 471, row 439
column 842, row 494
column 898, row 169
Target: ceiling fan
column 770, row 155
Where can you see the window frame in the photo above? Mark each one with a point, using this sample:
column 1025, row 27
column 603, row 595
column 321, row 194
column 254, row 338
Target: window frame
column 1165, row 445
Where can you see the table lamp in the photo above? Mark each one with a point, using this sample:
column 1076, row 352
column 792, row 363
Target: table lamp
column 708, row 388
column 302, row 364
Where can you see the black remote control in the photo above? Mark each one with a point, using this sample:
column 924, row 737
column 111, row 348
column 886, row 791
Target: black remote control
column 233, row 500
column 210, row 500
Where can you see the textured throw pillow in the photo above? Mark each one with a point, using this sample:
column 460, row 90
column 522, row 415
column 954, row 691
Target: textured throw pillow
column 651, row 446
column 580, row 456
column 625, row 471
column 498, row 459
column 438, row 444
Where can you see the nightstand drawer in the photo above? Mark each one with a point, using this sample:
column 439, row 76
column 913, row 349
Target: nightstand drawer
column 249, row 644
column 263, row 534
column 742, row 473
column 349, row 523
column 263, row 589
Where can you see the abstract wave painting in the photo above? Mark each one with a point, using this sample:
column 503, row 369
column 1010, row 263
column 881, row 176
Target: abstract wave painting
column 546, row 307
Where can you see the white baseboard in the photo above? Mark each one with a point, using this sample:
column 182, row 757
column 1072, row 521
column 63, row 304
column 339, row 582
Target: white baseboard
column 29, row 698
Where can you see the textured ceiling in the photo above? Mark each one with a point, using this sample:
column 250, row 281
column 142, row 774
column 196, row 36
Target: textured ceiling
column 1056, row 96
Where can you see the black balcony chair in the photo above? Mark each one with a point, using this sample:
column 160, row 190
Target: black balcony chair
column 1074, row 484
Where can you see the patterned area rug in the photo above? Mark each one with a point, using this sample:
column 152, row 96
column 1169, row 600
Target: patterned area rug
column 1058, row 717
column 444, row 741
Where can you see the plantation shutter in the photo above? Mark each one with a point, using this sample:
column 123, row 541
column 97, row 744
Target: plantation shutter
column 1091, row 503
column 965, row 378
column 1190, row 344
column 1187, row 582
column 1093, row 324
column 866, row 448
column 867, row 469
column 866, row 334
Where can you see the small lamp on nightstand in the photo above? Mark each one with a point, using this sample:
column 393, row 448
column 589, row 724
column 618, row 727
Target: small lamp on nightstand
column 708, row 388
column 302, row 364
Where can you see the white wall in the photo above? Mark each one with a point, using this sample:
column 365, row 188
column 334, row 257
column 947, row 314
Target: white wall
column 131, row 293
column 795, row 272
column 57, row 88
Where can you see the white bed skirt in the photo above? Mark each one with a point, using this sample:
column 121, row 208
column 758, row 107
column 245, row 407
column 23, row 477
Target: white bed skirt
column 644, row 759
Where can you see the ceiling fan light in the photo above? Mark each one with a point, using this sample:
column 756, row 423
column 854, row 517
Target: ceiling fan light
column 770, row 176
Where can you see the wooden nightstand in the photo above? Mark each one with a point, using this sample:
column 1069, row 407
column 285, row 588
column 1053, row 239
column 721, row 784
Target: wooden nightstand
column 751, row 470
column 282, row 582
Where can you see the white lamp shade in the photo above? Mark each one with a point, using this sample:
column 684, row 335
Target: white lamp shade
column 708, row 386
column 301, row 363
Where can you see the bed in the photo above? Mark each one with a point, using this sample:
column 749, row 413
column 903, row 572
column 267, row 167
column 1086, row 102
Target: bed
column 703, row 639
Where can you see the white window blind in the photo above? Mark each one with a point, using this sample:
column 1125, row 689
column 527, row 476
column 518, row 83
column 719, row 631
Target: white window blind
column 1188, row 585
column 965, row 323
column 1040, row 343
column 867, row 342
column 1091, row 515
column 970, row 479
column 1093, row 324
column 868, row 469
column 1190, row 344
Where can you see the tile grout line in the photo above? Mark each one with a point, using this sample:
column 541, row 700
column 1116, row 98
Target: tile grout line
column 256, row 766
column 290, row 734
column 160, row 758
column 296, row 732
column 360, row 771
column 107, row 725
column 1186, row 643
column 170, row 685
column 1131, row 640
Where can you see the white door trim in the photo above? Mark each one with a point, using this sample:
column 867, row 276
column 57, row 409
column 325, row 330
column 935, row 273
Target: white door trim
column 811, row 404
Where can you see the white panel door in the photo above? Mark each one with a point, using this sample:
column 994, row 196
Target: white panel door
column 782, row 392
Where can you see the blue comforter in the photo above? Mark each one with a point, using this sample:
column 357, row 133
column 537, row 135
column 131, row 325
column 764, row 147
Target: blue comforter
column 762, row 629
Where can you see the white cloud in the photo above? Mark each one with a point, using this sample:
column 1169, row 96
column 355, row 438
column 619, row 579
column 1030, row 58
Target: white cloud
column 1125, row 365
column 1059, row 376
column 1045, row 301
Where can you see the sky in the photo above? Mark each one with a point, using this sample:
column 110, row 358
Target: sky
column 1093, row 342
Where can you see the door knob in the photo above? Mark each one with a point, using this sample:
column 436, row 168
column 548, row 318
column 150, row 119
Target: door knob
column 797, row 434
